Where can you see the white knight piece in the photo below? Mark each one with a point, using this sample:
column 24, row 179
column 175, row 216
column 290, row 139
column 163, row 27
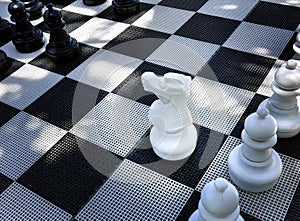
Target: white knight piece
column 173, row 135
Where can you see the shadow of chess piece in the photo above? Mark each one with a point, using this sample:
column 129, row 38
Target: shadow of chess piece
column 5, row 30
column 126, row 7
column 93, row 2
column 35, row 8
column 61, row 46
column 26, row 37
column 4, row 62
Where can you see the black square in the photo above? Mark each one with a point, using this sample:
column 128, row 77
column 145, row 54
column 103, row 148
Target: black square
column 188, row 171
column 111, row 15
column 275, row 15
column 66, row 103
column 70, row 173
column 289, row 146
column 251, row 108
column 13, row 66
column 192, row 5
column 64, row 68
column 288, row 51
column 4, row 182
column 6, row 113
column 238, row 69
column 132, row 87
column 58, row 3
column 208, row 28
column 137, row 42
column 190, row 207
column 72, row 20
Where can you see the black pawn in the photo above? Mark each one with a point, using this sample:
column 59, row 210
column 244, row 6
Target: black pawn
column 35, row 8
column 4, row 62
column 61, row 46
column 5, row 30
column 26, row 37
column 93, row 2
column 126, row 7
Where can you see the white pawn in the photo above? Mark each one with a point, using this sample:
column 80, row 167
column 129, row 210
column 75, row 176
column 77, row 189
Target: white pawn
column 283, row 105
column 296, row 47
column 173, row 135
column 253, row 165
column 219, row 202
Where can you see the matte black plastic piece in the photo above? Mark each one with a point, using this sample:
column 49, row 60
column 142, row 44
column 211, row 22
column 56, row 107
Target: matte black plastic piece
column 35, row 9
column 5, row 29
column 126, row 7
column 93, row 2
column 26, row 37
column 61, row 46
column 4, row 62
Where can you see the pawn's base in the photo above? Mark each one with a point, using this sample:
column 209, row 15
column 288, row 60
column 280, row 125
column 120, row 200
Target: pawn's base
column 288, row 121
column 252, row 176
column 4, row 62
column 174, row 146
column 63, row 53
column 35, row 11
column 127, row 8
column 31, row 44
column 5, row 31
column 93, row 2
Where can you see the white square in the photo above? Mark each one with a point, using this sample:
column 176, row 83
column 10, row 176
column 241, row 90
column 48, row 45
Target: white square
column 285, row 2
column 4, row 9
column 19, row 203
column 25, row 85
column 12, row 52
column 259, row 39
column 80, row 8
column 217, row 106
column 97, row 32
column 232, row 9
column 164, row 19
column 115, row 124
column 269, row 205
column 153, row 2
column 105, row 70
column 23, row 140
column 134, row 192
column 183, row 54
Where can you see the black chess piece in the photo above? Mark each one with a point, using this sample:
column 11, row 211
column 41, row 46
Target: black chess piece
column 5, row 30
column 26, row 37
column 93, row 2
column 4, row 62
column 126, row 7
column 61, row 46
column 35, row 8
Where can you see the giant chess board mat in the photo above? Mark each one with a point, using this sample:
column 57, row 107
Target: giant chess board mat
column 74, row 136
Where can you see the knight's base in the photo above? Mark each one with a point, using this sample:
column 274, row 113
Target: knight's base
column 174, row 146
column 252, row 176
column 288, row 122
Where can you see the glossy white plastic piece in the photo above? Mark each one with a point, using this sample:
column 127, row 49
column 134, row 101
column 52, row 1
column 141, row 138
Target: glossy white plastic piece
column 173, row 135
column 283, row 105
column 219, row 202
column 253, row 165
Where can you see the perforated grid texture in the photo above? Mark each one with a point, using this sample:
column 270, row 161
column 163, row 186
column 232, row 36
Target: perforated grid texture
column 183, row 54
column 255, row 39
column 136, row 193
column 17, row 202
column 232, row 9
column 114, row 69
column 217, row 106
column 79, row 8
column 116, row 124
column 26, row 85
column 24, row 139
column 268, row 205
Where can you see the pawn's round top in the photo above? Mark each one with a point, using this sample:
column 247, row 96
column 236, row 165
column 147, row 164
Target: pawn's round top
column 220, row 197
column 53, row 17
column 288, row 76
column 17, row 8
column 260, row 125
